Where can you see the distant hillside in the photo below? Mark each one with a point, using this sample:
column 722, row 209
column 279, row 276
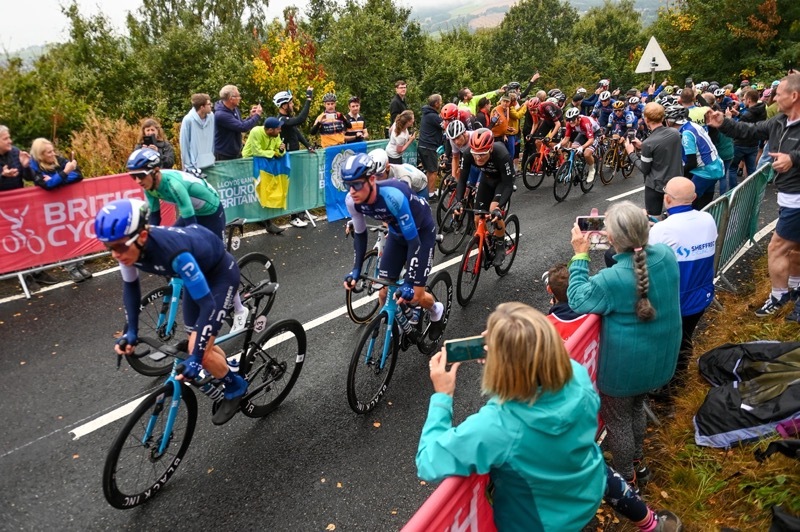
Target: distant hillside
column 486, row 14
column 28, row 55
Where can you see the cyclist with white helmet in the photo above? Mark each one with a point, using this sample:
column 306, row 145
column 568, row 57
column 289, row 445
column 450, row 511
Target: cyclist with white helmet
column 407, row 173
column 290, row 132
column 603, row 108
column 458, row 135
column 209, row 273
column 581, row 135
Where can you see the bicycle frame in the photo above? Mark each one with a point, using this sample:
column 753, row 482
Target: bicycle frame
column 390, row 307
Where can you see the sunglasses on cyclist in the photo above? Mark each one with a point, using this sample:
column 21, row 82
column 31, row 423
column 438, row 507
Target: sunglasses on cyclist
column 480, row 154
column 138, row 176
column 122, row 247
column 357, row 185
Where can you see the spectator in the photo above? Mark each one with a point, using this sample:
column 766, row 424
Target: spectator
column 722, row 142
column 330, row 124
column 15, row 163
column 153, row 138
column 430, row 138
column 50, row 172
column 658, row 158
column 230, row 125
column 499, row 122
column 265, row 141
column 564, row 319
column 783, row 134
column 484, row 108
column 293, row 137
column 639, row 300
column 197, row 135
column 398, row 103
column 358, row 126
column 400, row 138
column 744, row 149
column 534, row 437
column 467, row 100
column 688, row 229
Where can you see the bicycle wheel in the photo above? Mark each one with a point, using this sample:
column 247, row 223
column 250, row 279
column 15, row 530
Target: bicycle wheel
column 511, row 238
column 447, row 191
column 153, row 313
column 254, row 268
column 627, row 165
column 469, row 272
column 271, row 365
column 454, row 229
column 360, row 307
column 441, row 288
column 532, row 171
column 563, row 181
column 609, row 166
column 134, row 470
column 585, row 185
column 367, row 377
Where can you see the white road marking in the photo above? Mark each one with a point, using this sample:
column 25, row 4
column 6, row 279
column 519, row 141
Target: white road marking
column 630, row 192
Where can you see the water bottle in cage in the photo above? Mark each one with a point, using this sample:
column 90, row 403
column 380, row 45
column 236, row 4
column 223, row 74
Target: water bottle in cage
column 402, row 319
column 233, row 362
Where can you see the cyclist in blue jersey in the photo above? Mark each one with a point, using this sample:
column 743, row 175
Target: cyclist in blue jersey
column 411, row 239
column 636, row 107
column 620, row 121
column 210, row 275
column 603, row 108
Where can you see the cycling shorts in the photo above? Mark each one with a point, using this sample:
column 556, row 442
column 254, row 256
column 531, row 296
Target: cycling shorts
column 581, row 139
column 214, row 222
column 485, row 195
column 395, row 252
column 224, row 283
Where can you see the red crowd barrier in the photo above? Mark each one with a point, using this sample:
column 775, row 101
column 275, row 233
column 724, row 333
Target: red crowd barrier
column 459, row 503
column 40, row 227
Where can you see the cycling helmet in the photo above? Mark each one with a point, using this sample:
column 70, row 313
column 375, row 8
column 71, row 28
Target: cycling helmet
column 633, row 100
column 678, row 92
column 572, row 113
column 282, row 98
column 449, row 111
column 713, row 88
column 455, row 129
column 581, row 90
column 380, row 160
column 633, row 91
column 464, row 115
column 669, row 99
column 356, row 167
column 552, row 100
column 143, row 159
column 677, row 113
column 481, row 141
column 121, row 219
column 619, row 104
column 702, row 85
column 605, row 95
column 329, row 97
column 668, row 89
column 513, row 86
column 552, row 93
column 744, row 83
column 759, row 86
column 719, row 93
column 604, row 83
column 533, row 103
column 767, row 93
column 775, row 83
column 561, row 97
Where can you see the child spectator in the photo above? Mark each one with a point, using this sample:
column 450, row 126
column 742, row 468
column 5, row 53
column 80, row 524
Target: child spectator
column 564, row 319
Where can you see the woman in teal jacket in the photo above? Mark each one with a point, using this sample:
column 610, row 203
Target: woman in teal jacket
column 639, row 299
column 535, row 436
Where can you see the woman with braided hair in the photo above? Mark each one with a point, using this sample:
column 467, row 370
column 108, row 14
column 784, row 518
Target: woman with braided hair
column 638, row 298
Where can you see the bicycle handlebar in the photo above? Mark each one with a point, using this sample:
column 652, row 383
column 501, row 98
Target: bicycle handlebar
column 173, row 350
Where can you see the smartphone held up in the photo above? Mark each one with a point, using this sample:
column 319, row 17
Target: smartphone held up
column 464, row 349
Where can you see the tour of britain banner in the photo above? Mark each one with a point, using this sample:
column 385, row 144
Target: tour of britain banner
column 335, row 191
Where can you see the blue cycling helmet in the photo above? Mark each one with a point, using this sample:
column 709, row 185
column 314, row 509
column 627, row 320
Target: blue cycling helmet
column 120, row 219
column 356, row 167
column 143, row 159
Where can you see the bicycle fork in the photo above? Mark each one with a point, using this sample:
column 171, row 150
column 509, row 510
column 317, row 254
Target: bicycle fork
column 171, row 416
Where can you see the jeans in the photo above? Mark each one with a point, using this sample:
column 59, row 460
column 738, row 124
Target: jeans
column 765, row 157
column 740, row 153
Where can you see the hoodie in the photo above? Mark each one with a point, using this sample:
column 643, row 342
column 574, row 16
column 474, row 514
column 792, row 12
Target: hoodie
column 430, row 128
column 547, row 470
column 197, row 141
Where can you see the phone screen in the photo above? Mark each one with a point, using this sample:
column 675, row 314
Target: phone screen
column 591, row 223
column 148, row 140
column 465, row 349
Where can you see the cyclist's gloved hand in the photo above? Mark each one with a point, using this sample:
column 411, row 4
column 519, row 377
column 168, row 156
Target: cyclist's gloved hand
column 350, row 278
column 547, row 139
column 406, row 292
column 457, row 208
column 192, row 366
column 497, row 214
column 126, row 342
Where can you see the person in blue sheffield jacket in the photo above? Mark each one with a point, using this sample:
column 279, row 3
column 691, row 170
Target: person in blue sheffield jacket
column 534, row 437
column 639, row 299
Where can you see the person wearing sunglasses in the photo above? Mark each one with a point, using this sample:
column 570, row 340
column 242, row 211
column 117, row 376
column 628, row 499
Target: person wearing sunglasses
column 195, row 200
column 210, row 275
column 412, row 234
column 496, row 185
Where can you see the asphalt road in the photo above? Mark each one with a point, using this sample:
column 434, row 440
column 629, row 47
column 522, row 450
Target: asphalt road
column 312, row 463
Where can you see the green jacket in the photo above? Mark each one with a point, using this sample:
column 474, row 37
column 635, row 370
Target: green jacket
column 635, row 356
column 259, row 144
column 473, row 103
column 547, row 470
column 191, row 195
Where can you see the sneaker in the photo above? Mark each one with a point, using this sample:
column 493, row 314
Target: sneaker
column 84, row 271
column 240, row 320
column 499, row 252
column 75, row 274
column 298, row 222
column 33, row 286
column 667, row 522
column 772, row 305
column 44, row 278
column 590, row 175
column 312, row 217
column 433, row 196
column 271, row 228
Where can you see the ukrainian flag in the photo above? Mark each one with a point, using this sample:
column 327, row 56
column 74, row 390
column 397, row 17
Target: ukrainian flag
column 272, row 181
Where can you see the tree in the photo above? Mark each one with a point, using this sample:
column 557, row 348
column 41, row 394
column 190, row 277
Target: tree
column 157, row 17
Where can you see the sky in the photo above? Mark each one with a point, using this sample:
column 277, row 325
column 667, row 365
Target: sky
column 38, row 22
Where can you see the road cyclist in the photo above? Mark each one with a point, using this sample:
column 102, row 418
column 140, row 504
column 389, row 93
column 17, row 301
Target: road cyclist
column 580, row 134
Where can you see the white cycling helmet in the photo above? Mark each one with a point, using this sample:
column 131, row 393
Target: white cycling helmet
column 380, row 160
column 455, row 129
column 678, row 92
column 605, row 95
column 282, row 98
column 719, row 93
column 552, row 100
column 572, row 113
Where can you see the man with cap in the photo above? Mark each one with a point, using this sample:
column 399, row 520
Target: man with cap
column 266, row 141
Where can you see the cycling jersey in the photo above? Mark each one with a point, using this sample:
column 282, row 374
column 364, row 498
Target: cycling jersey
column 210, row 275
column 619, row 124
column 497, row 183
column 601, row 112
column 637, row 110
column 410, row 175
column 549, row 114
column 695, row 141
column 410, row 224
column 191, row 195
column 585, row 128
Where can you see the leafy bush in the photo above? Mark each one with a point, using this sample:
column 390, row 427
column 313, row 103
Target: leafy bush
column 103, row 144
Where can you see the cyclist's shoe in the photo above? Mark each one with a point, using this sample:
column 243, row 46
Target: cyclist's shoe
column 436, row 327
column 235, row 388
column 590, row 175
column 499, row 251
column 33, row 286
column 772, row 305
column 298, row 222
column 433, row 197
column 240, row 320
column 667, row 522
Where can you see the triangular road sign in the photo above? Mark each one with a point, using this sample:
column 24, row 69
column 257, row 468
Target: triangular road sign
column 653, row 59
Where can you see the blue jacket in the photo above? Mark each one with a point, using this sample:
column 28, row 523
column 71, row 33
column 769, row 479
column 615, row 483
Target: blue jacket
column 11, row 159
column 547, row 470
column 635, row 356
column 197, row 141
column 229, row 129
column 50, row 179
